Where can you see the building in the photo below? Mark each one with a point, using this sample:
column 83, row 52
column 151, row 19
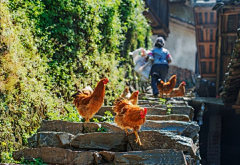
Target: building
column 206, row 30
column 181, row 41
column 228, row 14
column 158, row 15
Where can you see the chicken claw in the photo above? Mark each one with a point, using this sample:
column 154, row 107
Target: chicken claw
column 138, row 139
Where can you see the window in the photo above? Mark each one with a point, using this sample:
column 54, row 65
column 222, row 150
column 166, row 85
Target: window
column 210, row 67
column 238, row 21
column 211, row 34
column 200, row 18
column 207, row 35
column 201, row 34
column 202, row 51
column 231, row 23
column 210, row 51
column 206, row 17
column 203, row 67
column 211, row 17
column 230, row 43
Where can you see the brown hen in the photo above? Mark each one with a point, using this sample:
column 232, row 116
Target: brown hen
column 178, row 92
column 166, row 87
column 129, row 116
column 89, row 104
column 126, row 93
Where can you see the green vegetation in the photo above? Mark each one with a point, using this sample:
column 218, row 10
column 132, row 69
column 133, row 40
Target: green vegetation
column 108, row 117
column 50, row 48
column 169, row 110
column 101, row 129
column 162, row 101
column 36, row 161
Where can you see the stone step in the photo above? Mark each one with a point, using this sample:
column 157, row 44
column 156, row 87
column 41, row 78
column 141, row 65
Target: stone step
column 168, row 117
column 163, row 140
column 183, row 110
column 53, row 155
column 188, row 129
column 117, row 142
column 148, row 117
column 186, row 110
column 177, row 103
column 77, row 127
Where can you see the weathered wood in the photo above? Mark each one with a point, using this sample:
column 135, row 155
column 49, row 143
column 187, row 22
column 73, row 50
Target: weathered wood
column 219, row 53
column 237, row 104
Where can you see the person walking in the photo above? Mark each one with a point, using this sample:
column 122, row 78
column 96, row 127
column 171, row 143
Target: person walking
column 161, row 59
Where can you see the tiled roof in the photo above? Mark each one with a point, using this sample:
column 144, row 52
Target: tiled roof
column 221, row 4
column 181, row 19
column 231, row 84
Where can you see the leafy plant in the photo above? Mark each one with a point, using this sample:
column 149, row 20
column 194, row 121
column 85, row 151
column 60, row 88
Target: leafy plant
column 108, row 117
column 49, row 49
column 101, row 129
column 169, row 110
column 144, row 98
column 162, row 101
column 36, row 161
column 95, row 120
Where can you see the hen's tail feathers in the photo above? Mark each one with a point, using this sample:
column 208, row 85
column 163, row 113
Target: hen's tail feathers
column 78, row 93
column 118, row 100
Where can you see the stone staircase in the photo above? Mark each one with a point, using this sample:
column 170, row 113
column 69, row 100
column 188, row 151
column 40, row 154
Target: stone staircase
column 169, row 137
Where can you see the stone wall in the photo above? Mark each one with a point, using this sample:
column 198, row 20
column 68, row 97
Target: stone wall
column 169, row 136
column 182, row 75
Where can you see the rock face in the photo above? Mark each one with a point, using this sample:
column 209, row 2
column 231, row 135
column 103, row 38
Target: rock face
column 100, row 141
column 150, row 157
column 167, row 139
column 54, row 155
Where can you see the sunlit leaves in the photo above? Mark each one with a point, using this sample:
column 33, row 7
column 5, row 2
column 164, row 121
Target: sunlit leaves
column 50, row 48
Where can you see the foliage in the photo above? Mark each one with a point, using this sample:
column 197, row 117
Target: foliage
column 108, row 117
column 36, row 161
column 49, row 49
column 169, row 110
column 101, row 129
column 162, row 101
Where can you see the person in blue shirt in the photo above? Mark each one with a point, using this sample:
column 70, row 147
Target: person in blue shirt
column 161, row 59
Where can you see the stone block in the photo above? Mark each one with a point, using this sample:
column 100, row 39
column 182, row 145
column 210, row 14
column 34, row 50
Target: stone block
column 158, row 156
column 100, row 141
column 163, row 140
column 53, row 155
column 61, row 126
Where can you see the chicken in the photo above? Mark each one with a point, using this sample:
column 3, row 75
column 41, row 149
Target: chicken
column 180, row 91
column 129, row 116
column 89, row 105
column 126, row 93
column 166, row 87
column 87, row 90
column 134, row 98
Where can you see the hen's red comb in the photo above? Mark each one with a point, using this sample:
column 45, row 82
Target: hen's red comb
column 145, row 111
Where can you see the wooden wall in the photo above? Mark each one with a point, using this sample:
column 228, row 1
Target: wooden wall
column 206, row 30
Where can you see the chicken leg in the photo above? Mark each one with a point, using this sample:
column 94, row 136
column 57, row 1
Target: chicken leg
column 137, row 138
column 87, row 120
